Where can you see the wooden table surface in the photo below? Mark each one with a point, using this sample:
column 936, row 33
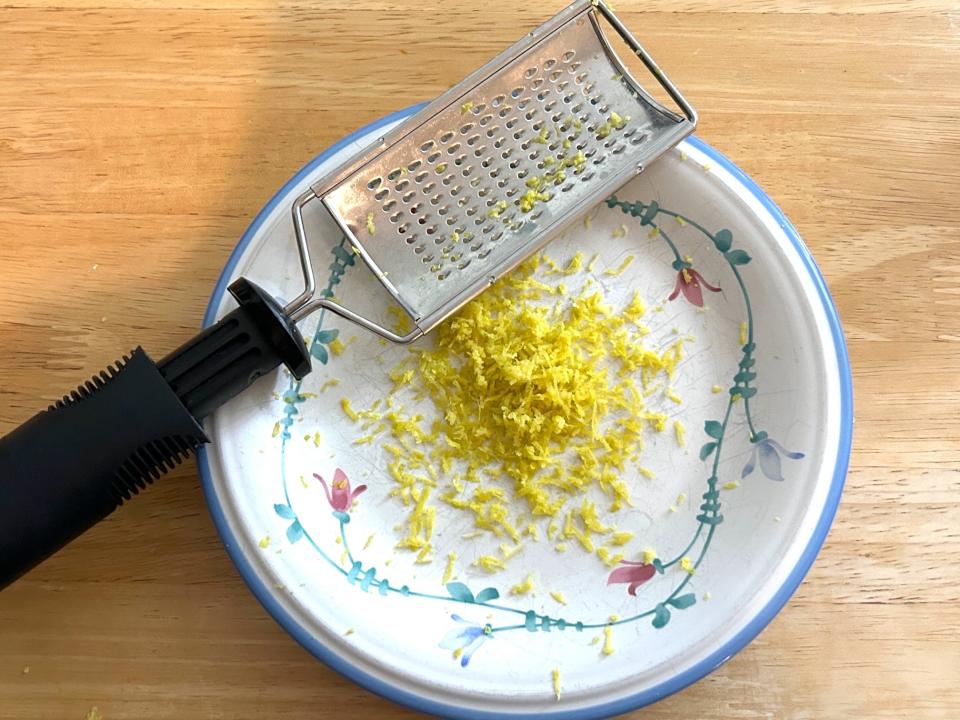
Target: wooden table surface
column 137, row 140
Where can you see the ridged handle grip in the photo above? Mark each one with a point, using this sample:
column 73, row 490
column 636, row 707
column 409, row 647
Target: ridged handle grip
column 70, row 466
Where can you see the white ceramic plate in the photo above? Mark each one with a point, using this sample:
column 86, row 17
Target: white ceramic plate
column 391, row 625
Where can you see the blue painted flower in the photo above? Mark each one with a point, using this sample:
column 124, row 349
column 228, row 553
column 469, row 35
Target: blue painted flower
column 465, row 641
column 768, row 451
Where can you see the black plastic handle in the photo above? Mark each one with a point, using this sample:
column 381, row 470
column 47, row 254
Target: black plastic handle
column 70, row 466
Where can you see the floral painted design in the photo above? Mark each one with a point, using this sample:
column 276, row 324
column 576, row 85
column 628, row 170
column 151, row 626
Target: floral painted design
column 691, row 284
column 340, row 496
column 465, row 640
column 634, row 574
column 768, row 451
column 467, row 636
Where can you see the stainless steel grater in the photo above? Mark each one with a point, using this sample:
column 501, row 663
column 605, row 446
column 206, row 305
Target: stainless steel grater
column 438, row 209
column 441, row 207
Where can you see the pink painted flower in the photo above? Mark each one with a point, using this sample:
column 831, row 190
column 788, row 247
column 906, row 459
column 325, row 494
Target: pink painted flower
column 339, row 496
column 634, row 573
column 689, row 282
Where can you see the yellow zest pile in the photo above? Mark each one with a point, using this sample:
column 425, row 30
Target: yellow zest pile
column 540, row 396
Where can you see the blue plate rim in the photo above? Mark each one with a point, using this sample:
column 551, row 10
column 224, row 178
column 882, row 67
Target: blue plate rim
column 603, row 710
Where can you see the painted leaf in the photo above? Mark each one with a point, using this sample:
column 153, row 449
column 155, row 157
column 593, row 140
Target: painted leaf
column 713, row 429
column 744, row 376
column 707, row 450
column 657, row 565
column 487, row 594
column 320, row 353
column 459, row 591
column 738, row 257
column 285, row 511
column 661, row 616
column 723, row 240
column 327, row 336
column 294, row 532
column 682, row 602
column 748, row 392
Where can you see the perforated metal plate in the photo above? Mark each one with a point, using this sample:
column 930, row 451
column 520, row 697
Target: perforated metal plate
column 488, row 173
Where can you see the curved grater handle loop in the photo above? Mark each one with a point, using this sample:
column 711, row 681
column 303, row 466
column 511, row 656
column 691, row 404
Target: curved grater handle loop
column 304, row 304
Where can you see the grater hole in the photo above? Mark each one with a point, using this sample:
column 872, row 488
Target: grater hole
column 577, row 108
column 499, row 143
column 536, row 83
column 579, row 79
column 446, row 137
column 522, row 105
column 464, row 264
column 505, row 111
column 408, row 196
column 511, row 192
column 412, row 167
column 549, row 63
column 517, row 135
column 447, row 180
column 393, row 174
column 411, row 239
column 516, row 92
column 514, row 165
column 530, row 72
column 402, row 185
column 487, row 229
column 589, row 87
column 444, row 210
column 415, row 208
column 538, row 125
column 427, row 146
column 568, row 99
column 464, row 129
column 456, row 190
column 629, row 131
column 468, row 171
column 557, row 117
column 530, row 115
column 568, row 56
column 567, row 187
column 478, row 108
column 422, row 220
column 389, row 205
column 484, row 120
column 500, row 184
column 574, row 66
column 432, row 230
column 550, row 105
column 472, row 140
column 510, row 123
column 381, row 194
column 462, row 201
column 618, row 149
column 395, row 217
column 471, row 211
column 563, row 85
column 419, row 249
column 453, row 149
column 498, row 101
column 556, row 75
column 534, row 155
column 484, row 254
column 637, row 139
column 433, row 157
column 435, row 200
column 403, row 228
column 506, row 153
column 553, row 146
column 450, row 221
column 604, row 108
column 542, row 95
column 375, row 183
column 588, row 175
column 492, row 131
column 459, row 160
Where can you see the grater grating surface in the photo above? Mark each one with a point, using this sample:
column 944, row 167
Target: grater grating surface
column 490, row 171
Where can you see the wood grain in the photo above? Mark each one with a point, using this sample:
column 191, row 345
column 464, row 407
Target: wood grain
column 138, row 139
